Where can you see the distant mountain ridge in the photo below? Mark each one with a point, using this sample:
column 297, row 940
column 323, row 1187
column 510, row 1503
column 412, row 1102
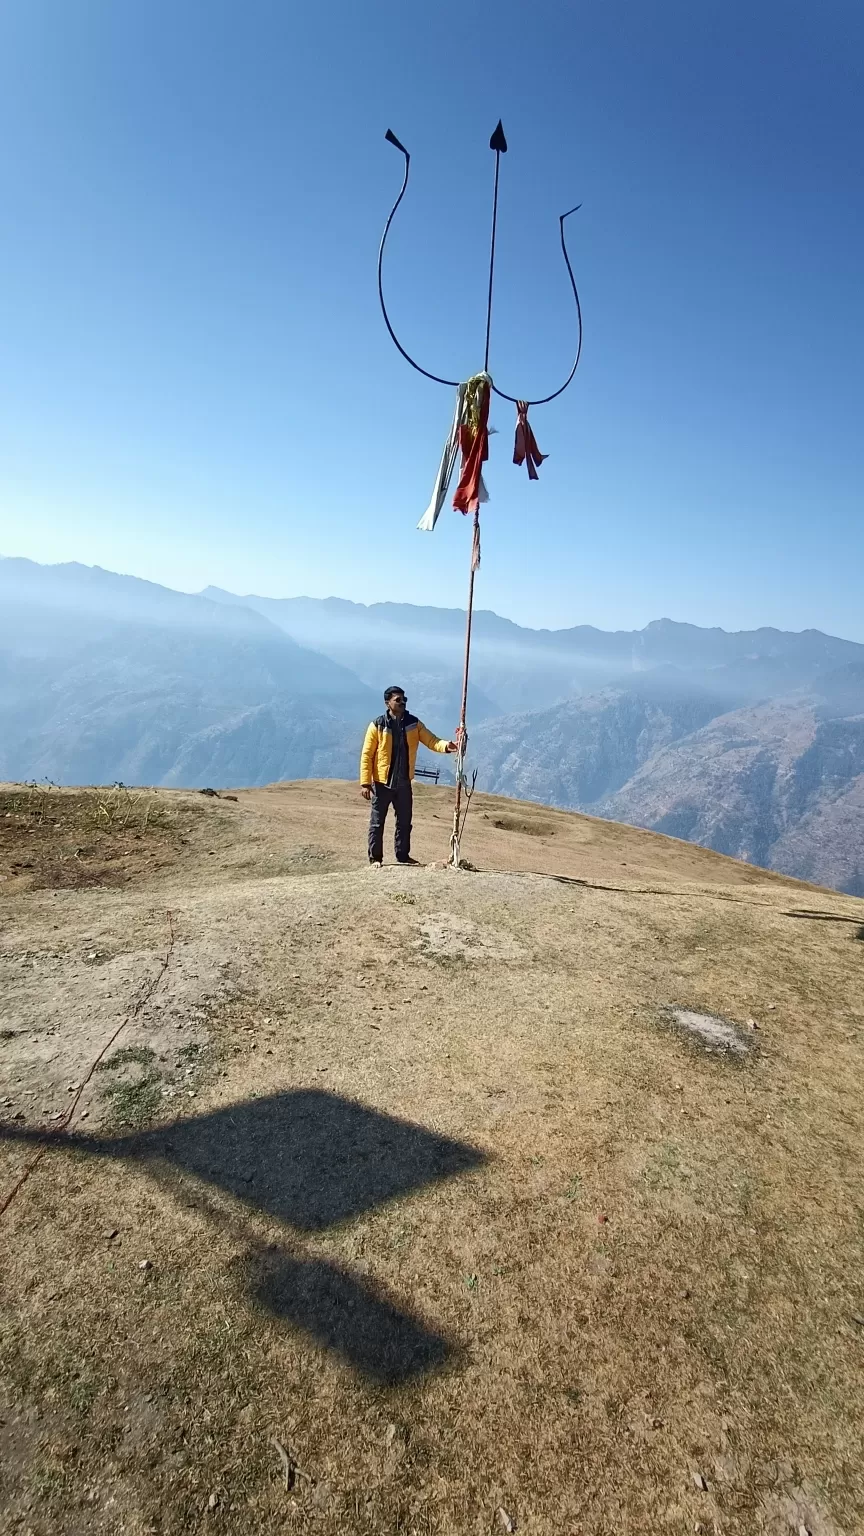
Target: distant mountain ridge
column 105, row 677
column 661, row 642
column 515, row 668
column 751, row 743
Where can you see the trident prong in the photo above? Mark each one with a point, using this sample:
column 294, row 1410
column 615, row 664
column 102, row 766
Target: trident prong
column 452, row 383
column 499, row 144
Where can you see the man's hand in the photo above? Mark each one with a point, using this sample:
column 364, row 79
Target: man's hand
column 452, row 747
column 366, row 791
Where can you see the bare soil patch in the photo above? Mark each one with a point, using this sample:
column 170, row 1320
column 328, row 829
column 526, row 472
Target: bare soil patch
column 521, row 824
column 444, row 935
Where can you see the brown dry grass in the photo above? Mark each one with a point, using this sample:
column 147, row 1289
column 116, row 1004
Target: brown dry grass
column 472, row 1335
column 54, row 838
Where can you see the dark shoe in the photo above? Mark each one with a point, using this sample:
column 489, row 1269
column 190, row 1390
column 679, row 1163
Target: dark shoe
column 408, row 861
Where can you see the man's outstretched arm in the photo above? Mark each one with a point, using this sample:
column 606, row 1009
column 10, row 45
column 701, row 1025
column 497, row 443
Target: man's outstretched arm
column 433, row 742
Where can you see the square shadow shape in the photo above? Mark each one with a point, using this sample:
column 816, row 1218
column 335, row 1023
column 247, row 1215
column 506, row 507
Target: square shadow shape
column 308, row 1157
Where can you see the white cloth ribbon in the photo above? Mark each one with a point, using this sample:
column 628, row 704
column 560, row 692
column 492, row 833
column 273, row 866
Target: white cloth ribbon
column 445, row 468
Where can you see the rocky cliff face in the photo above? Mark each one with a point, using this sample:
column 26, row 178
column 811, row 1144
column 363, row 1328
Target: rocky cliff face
column 582, row 750
column 779, row 784
column 776, row 785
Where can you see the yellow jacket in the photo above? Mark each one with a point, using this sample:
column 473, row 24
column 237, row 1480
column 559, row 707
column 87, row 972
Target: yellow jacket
column 377, row 751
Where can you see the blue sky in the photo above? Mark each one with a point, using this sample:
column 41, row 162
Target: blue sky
column 195, row 384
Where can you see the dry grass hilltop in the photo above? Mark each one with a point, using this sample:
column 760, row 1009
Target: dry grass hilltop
column 525, row 1198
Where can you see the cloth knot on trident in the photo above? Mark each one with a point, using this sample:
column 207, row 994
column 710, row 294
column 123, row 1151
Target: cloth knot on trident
column 469, row 435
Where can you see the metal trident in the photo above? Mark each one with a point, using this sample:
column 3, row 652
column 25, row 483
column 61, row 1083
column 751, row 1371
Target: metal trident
column 498, row 143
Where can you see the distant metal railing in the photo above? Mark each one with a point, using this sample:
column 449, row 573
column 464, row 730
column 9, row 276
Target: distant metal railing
column 428, row 773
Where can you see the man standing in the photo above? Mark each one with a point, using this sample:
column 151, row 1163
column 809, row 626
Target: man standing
column 386, row 770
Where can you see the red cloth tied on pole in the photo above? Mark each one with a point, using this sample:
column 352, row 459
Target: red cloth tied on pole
column 474, row 443
column 525, row 449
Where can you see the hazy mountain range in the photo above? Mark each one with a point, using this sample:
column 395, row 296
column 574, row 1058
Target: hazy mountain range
column 750, row 743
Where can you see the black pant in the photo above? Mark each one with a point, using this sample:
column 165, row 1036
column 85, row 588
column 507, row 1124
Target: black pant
column 402, row 800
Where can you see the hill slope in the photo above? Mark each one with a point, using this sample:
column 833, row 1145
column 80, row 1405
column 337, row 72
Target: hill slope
column 419, row 1175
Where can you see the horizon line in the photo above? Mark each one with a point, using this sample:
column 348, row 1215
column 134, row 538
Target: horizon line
column 429, row 607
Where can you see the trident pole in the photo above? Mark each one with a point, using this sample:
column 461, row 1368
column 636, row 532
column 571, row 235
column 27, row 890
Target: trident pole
column 499, row 144
column 462, row 733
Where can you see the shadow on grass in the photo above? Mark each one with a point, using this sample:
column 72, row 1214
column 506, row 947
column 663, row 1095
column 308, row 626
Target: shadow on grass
column 825, row 917
column 381, row 1341
column 311, row 1160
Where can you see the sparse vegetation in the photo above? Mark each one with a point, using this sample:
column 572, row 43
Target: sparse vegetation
column 139, row 1055
column 61, row 838
column 134, row 1100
